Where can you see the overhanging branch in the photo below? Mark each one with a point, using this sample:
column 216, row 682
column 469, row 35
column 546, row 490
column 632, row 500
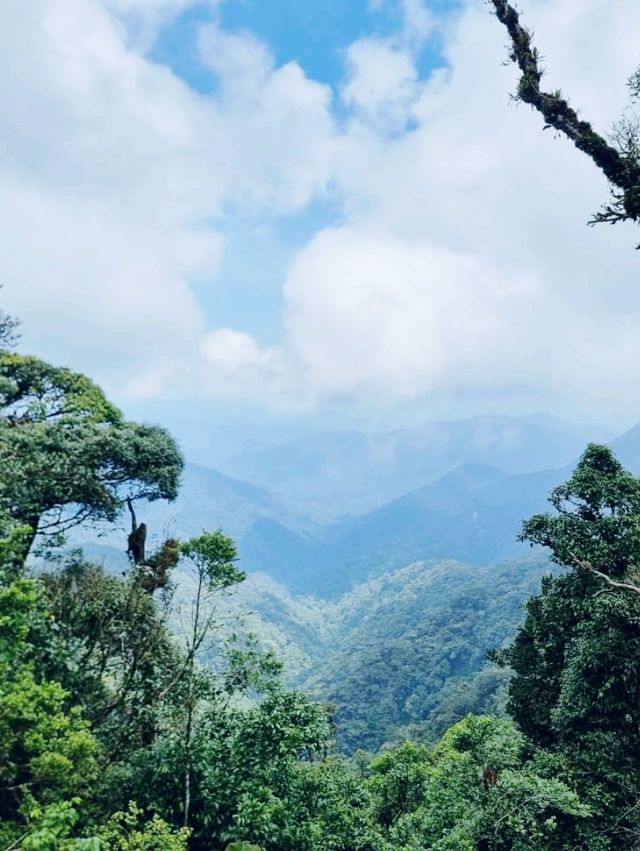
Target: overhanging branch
column 622, row 172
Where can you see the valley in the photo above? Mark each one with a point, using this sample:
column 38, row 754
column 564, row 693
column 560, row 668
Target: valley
column 387, row 614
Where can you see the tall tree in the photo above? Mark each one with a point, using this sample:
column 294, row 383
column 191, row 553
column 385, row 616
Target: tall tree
column 618, row 158
column 209, row 563
column 68, row 455
column 576, row 658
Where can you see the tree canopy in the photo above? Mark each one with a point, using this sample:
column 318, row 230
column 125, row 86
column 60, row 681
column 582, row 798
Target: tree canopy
column 67, row 454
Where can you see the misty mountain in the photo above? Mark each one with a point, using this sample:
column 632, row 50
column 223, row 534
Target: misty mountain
column 331, row 474
column 207, row 500
column 472, row 514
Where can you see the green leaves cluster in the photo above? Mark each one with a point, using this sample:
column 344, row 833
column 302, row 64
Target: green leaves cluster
column 116, row 733
column 66, row 453
column 477, row 789
column 576, row 657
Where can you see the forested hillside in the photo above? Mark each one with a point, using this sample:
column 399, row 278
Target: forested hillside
column 384, row 618
column 402, row 649
column 416, row 642
column 134, row 715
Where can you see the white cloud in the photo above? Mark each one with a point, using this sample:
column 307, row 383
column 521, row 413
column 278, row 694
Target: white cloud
column 402, row 316
column 145, row 19
column 465, row 261
column 114, row 173
column 382, row 84
column 460, row 259
column 418, row 22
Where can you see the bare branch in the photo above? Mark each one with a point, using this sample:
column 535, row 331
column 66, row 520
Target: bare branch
column 614, row 584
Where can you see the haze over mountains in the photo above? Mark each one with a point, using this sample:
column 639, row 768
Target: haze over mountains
column 381, row 596
column 332, row 474
column 476, row 481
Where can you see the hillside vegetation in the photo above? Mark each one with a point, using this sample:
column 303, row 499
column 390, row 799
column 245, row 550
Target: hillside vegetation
column 137, row 712
column 402, row 649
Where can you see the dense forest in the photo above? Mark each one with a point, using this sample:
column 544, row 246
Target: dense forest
column 131, row 720
column 424, row 705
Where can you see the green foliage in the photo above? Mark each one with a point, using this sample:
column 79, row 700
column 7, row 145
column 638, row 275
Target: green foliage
column 331, row 809
column 14, row 539
column 399, row 781
column 51, row 828
column 67, row 454
column 213, row 554
column 245, row 762
column 411, row 661
column 598, row 516
column 47, row 752
column 113, row 650
column 8, row 330
column 34, row 391
column 475, row 791
column 128, row 831
column 577, row 677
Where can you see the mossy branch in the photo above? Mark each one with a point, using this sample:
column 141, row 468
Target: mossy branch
column 621, row 169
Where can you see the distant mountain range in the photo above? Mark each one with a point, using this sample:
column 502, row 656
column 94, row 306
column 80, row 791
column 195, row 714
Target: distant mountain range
column 472, row 512
column 332, row 474
column 387, row 613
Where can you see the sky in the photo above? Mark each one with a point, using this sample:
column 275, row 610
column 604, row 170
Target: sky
column 248, row 218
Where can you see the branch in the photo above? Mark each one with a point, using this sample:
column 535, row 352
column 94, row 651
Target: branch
column 134, row 522
column 621, row 172
column 611, row 583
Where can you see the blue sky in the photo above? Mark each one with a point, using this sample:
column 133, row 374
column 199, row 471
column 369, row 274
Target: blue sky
column 248, row 218
column 314, row 33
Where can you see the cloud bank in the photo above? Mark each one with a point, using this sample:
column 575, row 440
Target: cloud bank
column 456, row 255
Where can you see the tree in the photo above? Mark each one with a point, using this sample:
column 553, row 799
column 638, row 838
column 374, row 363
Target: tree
column 68, row 455
column 576, row 687
column 8, row 330
column 47, row 752
column 112, row 648
column 618, row 159
column 210, row 562
column 249, row 763
column 476, row 791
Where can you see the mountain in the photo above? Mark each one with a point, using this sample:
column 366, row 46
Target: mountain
column 424, row 632
column 208, row 499
column 472, row 514
column 405, row 648
column 328, row 475
column 627, row 449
